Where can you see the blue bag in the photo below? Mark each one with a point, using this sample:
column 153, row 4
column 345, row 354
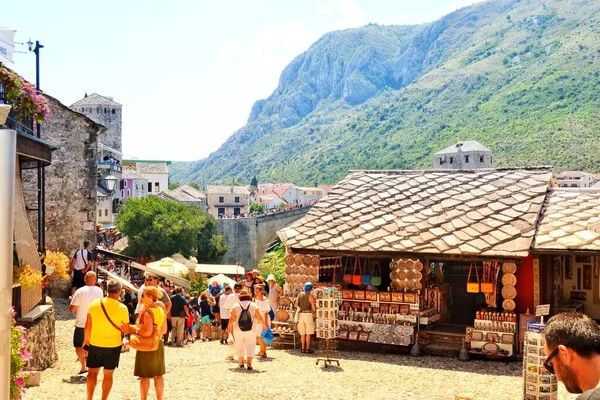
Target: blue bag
column 271, row 314
column 267, row 336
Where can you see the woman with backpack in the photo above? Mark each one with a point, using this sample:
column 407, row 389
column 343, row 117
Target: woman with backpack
column 241, row 324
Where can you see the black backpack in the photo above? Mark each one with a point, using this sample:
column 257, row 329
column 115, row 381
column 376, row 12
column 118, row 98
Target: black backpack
column 245, row 321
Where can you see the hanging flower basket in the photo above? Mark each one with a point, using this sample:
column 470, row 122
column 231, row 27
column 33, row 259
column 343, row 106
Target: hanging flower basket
column 23, row 96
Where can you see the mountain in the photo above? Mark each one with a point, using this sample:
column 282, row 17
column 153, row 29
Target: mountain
column 520, row 76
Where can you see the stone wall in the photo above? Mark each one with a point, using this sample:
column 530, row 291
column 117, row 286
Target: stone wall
column 70, row 180
column 41, row 340
column 247, row 238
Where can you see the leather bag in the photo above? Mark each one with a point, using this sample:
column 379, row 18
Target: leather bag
column 376, row 274
column 357, row 277
column 366, row 277
column 149, row 343
column 473, row 287
column 487, row 287
column 347, row 277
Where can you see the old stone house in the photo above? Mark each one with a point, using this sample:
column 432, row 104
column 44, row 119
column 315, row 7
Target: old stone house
column 186, row 194
column 156, row 173
column 226, row 201
column 296, row 195
column 574, row 179
column 468, row 154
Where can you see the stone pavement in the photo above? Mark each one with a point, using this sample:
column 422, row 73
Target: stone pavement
column 200, row 371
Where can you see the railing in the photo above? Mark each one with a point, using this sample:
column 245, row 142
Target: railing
column 110, row 165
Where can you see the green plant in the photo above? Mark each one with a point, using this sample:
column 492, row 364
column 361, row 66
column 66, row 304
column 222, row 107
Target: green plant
column 19, row 357
column 23, row 96
column 274, row 263
column 198, row 282
column 256, row 208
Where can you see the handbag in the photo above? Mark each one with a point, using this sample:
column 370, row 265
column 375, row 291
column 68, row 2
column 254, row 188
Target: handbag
column 347, row 278
column 143, row 343
column 365, row 278
column 487, row 287
column 271, row 314
column 357, row 278
column 376, row 274
column 473, row 287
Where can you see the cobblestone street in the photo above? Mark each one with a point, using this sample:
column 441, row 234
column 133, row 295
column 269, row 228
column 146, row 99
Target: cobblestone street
column 200, row 371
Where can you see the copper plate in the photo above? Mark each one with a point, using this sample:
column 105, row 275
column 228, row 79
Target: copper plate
column 418, row 286
column 393, row 275
column 401, row 275
column 509, row 268
column 282, row 315
column 285, row 301
column 289, row 260
column 297, row 259
column 410, row 264
column 418, row 266
column 509, row 292
column 315, row 261
column 509, row 279
column 410, row 284
column 410, row 275
column 490, row 349
column 418, row 276
column 401, row 264
column 306, row 260
column 302, row 270
column 508, row 305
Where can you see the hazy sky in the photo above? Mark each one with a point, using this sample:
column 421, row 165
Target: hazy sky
column 186, row 71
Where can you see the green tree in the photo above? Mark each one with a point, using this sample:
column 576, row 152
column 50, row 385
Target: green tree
column 195, row 185
column 254, row 182
column 255, row 207
column 174, row 185
column 274, row 263
column 162, row 227
column 211, row 246
column 198, row 282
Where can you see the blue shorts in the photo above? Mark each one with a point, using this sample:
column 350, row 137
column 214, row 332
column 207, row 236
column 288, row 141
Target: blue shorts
column 206, row 320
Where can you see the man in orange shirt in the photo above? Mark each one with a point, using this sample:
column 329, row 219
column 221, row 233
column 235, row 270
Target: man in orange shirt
column 102, row 338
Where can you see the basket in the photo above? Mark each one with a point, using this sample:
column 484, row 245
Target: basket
column 508, row 305
column 509, row 268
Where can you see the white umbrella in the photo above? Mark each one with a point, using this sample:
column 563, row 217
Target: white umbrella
column 7, row 44
column 221, row 279
column 169, row 266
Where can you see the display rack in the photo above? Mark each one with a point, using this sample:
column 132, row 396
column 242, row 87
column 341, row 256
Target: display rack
column 327, row 307
column 493, row 338
column 539, row 383
column 283, row 326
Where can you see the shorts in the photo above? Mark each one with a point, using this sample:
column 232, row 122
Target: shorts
column 78, row 337
column 224, row 323
column 188, row 329
column 78, row 280
column 216, row 309
column 306, row 324
column 206, row 319
column 103, row 357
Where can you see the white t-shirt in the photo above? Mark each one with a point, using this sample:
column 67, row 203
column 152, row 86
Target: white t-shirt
column 264, row 307
column 82, row 299
column 238, row 310
column 225, row 312
column 81, row 259
column 232, row 300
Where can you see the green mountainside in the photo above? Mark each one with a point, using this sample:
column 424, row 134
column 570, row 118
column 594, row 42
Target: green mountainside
column 520, row 76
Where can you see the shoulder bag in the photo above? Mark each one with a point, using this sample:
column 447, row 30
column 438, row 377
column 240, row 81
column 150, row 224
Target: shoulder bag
column 473, row 287
column 488, row 286
column 149, row 343
column 347, row 277
column 376, row 274
column 357, row 277
column 367, row 271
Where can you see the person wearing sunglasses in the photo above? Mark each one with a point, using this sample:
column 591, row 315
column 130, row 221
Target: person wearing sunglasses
column 572, row 346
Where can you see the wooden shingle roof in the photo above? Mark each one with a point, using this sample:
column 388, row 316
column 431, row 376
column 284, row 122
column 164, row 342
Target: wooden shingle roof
column 570, row 220
column 487, row 212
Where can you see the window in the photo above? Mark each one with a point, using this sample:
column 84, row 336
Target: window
column 137, row 187
column 221, row 212
column 466, row 159
column 122, row 193
column 125, row 183
column 113, row 110
column 481, row 159
column 149, row 187
column 491, row 159
column 100, row 212
column 451, row 160
column 156, row 187
column 106, row 212
column 236, row 211
column 221, row 199
column 128, row 192
column 237, row 199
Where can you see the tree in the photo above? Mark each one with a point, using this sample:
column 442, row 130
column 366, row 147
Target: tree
column 274, row 263
column 211, row 246
column 174, row 185
column 254, row 182
column 162, row 227
column 255, row 208
column 195, row 185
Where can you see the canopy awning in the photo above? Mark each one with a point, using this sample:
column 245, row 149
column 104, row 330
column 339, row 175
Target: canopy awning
column 222, row 279
column 175, row 279
column 7, row 44
column 124, row 282
column 213, row 269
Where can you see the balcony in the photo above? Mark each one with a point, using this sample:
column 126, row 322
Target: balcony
column 110, row 165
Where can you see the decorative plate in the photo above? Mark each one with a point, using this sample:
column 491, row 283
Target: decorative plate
column 381, row 338
column 418, row 266
column 509, row 292
column 401, row 275
column 477, row 336
column 385, row 296
column 508, row 305
column 410, row 298
column 371, row 295
column 297, row 259
column 509, row 268
column 508, row 338
column 401, row 264
column 410, row 275
column 285, row 301
column 395, row 284
column 492, row 337
column 389, row 338
column 509, row 279
column 407, row 330
column 410, row 284
column 397, row 329
column 405, row 340
column 418, row 276
column 306, row 260
column 302, row 270
column 490, row 349
column 418, row 286
column 397, row 296
column 387, row 329
column 282, row 315
column 393, row 275
column 289, row 260
column 410, row 264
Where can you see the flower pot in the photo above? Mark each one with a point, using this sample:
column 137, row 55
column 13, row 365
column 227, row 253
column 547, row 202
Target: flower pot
column 4, row 110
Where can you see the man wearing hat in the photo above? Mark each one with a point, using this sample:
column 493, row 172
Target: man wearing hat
column 305, row 302
column 228, row 304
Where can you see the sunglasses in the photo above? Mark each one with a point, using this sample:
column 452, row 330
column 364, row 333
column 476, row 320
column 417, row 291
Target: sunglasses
column 548, row 362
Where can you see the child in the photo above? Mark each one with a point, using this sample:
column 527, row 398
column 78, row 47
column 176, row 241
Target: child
column 189, row 326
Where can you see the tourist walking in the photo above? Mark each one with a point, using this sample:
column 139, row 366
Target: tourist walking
column 151, row 364
column 275, row 293
column 206, row 303
column 262, row 302
column 216, row 291
column 232, row 300
column 179, row 314
column 572, row 346
column 80, row 303
column 305, row 302
column 106, row 319
column 241, row 324
column 225, row 313
column 81, row 263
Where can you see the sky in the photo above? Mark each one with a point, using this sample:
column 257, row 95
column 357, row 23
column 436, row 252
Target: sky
column 187, row 72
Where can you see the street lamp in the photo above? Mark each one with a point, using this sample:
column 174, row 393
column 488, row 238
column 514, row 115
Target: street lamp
column 110, row 182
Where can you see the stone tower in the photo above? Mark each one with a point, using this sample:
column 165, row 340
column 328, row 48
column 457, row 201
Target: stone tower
column 469, row 154
column 105, row 111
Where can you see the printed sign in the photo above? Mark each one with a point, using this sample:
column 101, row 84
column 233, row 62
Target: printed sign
column 542, row 309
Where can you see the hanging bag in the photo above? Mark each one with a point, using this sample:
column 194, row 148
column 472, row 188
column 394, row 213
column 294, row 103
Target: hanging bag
column 366, row 277
column 473, row 287
column 357, row 273
column 376, row 274
column 146, row 343
column 347, row 277
column 487, row 287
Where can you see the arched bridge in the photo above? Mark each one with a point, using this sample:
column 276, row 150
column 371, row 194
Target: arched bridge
column 247, row 238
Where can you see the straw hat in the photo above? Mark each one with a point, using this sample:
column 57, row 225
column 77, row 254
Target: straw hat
column 245, row 295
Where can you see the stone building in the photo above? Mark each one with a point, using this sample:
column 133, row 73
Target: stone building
column 468, row 154
column 104, row 111
column 574, row 179
column 70, row 179
column 227, row 201
column 156, row 172
column 134, row 185
column 186, row 194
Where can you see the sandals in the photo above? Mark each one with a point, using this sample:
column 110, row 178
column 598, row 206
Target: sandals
column 309, row 351
column 241, row 366
column 249, row 368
